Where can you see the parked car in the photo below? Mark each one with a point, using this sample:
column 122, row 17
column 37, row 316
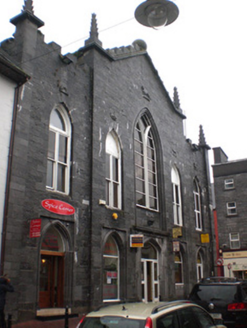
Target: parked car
column 178, row 314
column 223, row 297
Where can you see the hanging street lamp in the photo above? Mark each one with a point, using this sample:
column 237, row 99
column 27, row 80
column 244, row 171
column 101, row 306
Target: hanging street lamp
column 156, row 13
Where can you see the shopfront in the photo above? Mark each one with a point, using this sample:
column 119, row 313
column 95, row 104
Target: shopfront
column 235, row 264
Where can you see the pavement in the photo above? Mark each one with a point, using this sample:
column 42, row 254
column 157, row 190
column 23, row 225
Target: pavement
column 73, row 322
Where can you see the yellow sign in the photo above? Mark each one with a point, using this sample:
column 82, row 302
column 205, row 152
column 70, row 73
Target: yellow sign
column 177, row 232
column 205, row 238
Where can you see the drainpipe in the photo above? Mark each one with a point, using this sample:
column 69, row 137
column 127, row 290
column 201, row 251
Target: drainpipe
column 8, row 178
column 218, row 255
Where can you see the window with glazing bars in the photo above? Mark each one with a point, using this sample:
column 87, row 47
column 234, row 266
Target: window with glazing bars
column 58, row 157
column 197, row 204
column 145, row 165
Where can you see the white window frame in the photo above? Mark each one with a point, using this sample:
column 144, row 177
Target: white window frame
column 231, row 208
column 150, row 282
column 113, row 151
column 177, row 202
column 199, row 266
column 197, row 204
column 67, row 134
column 149, row 168
column 234, row 238
column 229, row 184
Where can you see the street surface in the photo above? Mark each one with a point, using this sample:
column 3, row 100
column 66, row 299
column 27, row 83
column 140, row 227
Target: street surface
column 48, row 324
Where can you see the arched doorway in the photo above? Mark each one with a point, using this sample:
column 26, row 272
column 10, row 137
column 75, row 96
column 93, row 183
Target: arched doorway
column 51, row 283
column 111, row 270
column 150, row 274
column 199, row 266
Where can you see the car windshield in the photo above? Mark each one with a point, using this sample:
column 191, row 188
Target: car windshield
column 112, row 322
column 214, row 292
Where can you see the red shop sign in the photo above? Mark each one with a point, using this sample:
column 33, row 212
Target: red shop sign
column 35, row 228
column 58, row 207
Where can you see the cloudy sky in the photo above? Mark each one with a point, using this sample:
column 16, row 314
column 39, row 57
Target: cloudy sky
column 203, row 53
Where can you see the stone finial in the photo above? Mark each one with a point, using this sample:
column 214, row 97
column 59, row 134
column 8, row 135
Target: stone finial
column 27, row 13
column 93, row 33
column 202, row 140
column 28, row 6
column 176, row 100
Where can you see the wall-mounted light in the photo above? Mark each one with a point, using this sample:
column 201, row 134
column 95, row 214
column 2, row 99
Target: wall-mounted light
column 156, row 13
column 114, row 216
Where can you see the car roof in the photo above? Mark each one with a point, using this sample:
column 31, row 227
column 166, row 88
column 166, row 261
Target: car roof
column 138, row 310
column 221, row 280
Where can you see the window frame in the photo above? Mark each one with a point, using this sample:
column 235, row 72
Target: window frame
column 176, row 197
column 59, row 134
column 146, row 173
column 231, row 210
column 113, row 197
column 229, row 184
column 234, row 240
column 197, row 206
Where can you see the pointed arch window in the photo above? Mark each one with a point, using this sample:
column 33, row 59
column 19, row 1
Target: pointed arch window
column 197, row 204
column 145, row 165
column 179, row 277
column 176, row 193
column 58, row 157
column 111, row 270
column 113, row 171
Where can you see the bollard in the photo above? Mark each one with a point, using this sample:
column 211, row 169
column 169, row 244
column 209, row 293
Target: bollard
column 66, row 323
column 9, row 324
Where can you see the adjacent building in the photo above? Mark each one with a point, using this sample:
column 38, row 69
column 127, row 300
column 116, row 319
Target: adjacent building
column 230, row 181
column 11, row 80
column 107, row 200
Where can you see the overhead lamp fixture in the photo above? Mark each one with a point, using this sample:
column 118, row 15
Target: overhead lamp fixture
column 156, row 13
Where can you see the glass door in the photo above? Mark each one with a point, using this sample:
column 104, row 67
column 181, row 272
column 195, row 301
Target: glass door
column 51, row 281
column 150, row 274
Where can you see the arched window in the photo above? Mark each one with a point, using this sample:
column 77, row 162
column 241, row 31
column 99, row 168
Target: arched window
column 199, row 266
column 53, row 241
column 58, row 157
column 113, row 171
column 111, row 270
column 179, row 279
column 177, row 203
column 197, row 202
column 145, row 165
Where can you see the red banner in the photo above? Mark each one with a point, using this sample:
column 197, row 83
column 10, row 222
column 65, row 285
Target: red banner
column 35, row 228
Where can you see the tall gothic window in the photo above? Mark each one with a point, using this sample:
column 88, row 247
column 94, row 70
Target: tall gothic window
column 197, row 204
column 58, row 157
column 113, row 171
column 145, row 165
column 177, row 202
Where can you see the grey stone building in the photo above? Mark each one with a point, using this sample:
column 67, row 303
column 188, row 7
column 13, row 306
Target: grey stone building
column 108, row 200
column 230, row 186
